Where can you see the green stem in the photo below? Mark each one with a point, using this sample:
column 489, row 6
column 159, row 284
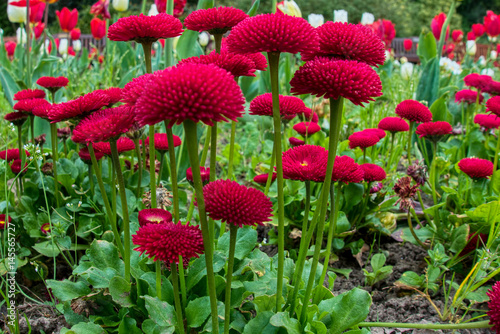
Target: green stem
column 53, row 134
column 162, row 165
column 173, row 172
column 274, row 58
column 495, row 162
column 213, row 152
column 22, row 157
column 233, row 230
column 182, row 279
column 152, row 166
column 28, row 56
column 32, row 128
column 123, row 197
column 479, row 324
column 410, row 225
column 139, row 180
column 113, row 190
column 109, row 213
column 147, row 56
column 143, row 7
column 192, row 147
column 169, row 45
column 388, row 162
column 231, row 151
column 270, row 172
column 218, row 42
column 332, row 228
column 158, row 279
column 91, row 180
column 410, row 133
column 433, row 173
column 336, row 108
column 178, row 308
column 427, row 217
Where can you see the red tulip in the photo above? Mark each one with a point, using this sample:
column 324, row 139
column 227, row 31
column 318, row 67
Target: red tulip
column 385, row 30
column 37, row 9
column 492, row 24
column 101, row 8
column 437, row 25
column 449, row 48
column 478, row 29
column 100, row 59
column 75, row 34
column 471, row 36
column 407, row 44
column 67, row 19
column 38, row 29
column 71, row 51
column 457, row 35
column 10, row 47
column 98, row 28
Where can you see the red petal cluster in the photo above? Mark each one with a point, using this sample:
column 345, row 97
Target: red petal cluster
column 476, row 168
column 329, row 78
column 145, row 29
column 11, row 154
column 15, row 167
column 487, row 121
column 16, row 118
column 414, row 111
column 478, row 81
column 123, row 144
column 473, row 243
column 289, row 106
column 161, row 141
column 27, row 106
column 373, row 172
column 29, row 94
column 295, row 141
column 307, row 128
column 197, row 92
column 166, row 242
column 393, row 124
column 52, row 83
column 494, row 305
column 114, row 94
column 258, row 58
column 232, row 203
column 78, row 108
column 492, row 23
column 214, row 20
column 363, row 140
column 346, row 170
column 434, row 130
column 348, row 41
column 493, row 88
column 493, row 105
column 305, row 163
column 154, row 216
column 84, row 154
column 134, row 89
column 3, row 221
column 161, row 6
column 262, row 178
column 236, row 64
column 42, row 110
column 468, row 96
column 272, row 33
column 205, row 175
column 377, row 132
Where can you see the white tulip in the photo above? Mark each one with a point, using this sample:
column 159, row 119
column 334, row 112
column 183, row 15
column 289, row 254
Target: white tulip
column 488, row 71
column 316, row 20
column 63, row 46
column 340, row 16
column 16, row 14
column 367, row 18
column 493, row 54
column 471, row 48
column 481, row 60
column 406, row 70
column 492, row 39
column 403, row 60
column 153, row 11
column 21, row 36
column 120, row 5
column 290, row 7
column 204, row 38
column 396, row 63
column 77, row 45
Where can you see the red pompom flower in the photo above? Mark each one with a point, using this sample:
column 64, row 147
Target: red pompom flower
column 204, row 172
column 78, row 108
column 494, row 305
column 346, row 170
column 216, row 21
column 377, row 132
column 476, row 168
column 262, row 178
column 414, row 111
column 232, row 203
column 363, row 140
column 305, row 163
column 11, row 154
column 468, row 96
column 29, row 94
column 154, row 216
column 236, row 64
column 52, row 84
column 434, row 131
column 487, row 121
column 114, row 94
column 84, row 154
column 123, row 144
column 161, row 142
column 289, row 106
column 478, row 81
column 307, row 128
column 493, row 105
column 294, row 142
column 4, row 221
column 17, row 118
column 373, row 172
column 27, row 106
column 393, row 124
column 134, row 89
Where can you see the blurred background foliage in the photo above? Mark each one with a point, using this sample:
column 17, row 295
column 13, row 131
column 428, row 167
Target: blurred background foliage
column 410, row 16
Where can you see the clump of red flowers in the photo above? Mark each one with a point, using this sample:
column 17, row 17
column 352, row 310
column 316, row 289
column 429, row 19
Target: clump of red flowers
column 161, row 141
column 346, row 170
column 123, row 144
column 373, row 172
column 478, row 81
column 362, row 140
column 493, row 105
column 262, row 178
column 236, row 64
column 476, row 168
column 487, row 121
column 205, row 175
column 468, row 96
column 434, row 131
column 26, row 94
column 494, row 305
column 11, row 154
column 78, row 108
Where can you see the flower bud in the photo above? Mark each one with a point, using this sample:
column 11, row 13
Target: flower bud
column 340, row 16
column 63, row 46
column 21, row 36
column 289, row 7
column 16, row 14
column 203, row 38
column 367, row 18
column 471, row 48
column 316, row 20
column 406, row 71
column 488, row 71
column 120, row 5
column 403, row 60
column 493, row 54
column 153, row 11
column 77, row 45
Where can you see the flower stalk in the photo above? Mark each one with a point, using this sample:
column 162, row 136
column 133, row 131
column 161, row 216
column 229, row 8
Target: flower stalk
column 139, row 163
column 233, row 231
column 173, row 172
column 53, row 140
column 177, row 301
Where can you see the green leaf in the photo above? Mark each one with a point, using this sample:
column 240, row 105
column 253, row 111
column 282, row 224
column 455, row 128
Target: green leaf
column 205, row 4
column 198, row 269
column 67, row 290
column 412, row 279
column 264, row 303
column 162, row 313
column 84, row 328
column 198, row 311
column 120, row 291
column 439, row 110
column 47, row 248
column 260, row 324
column 282, row 319
column 459, row 238
column 103, row 254
column 487, row 213
column 353, row 193
column 346, row 310
column 128, row 326
column 255, row 7
column 246, row 239
column 496, row 182
column 188, row 45
column 9, row 85
column 427, row 47
column 428, row 85
column 378, row 261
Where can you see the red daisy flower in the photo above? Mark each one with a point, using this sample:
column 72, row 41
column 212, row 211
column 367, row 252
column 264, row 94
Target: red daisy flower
column 236, row 64
column 493, row 88
column 307, row 128
column 363, row 140
column 487, row 121
column 28, row 105
column 434, row 130
column 493, row 105
column 468, row 96
column 124, row 144
column 161, row 142
column 52, row 84
column 305, row 163
column 134, row 89
column 294, row 142
column 29, row 94
column 154, row 216
column 476, row 168
column 114, row 94
column 4, row 221
column 104, row 125
column 348, row 41
column 373, row 172
column 214, row 20
column 377, row 132
column 15, row 167
column 11, row 154
column 289, row 106
column 197, row 92
column 232, row 203
column 414, row 111
column 16, row 118
column 494, row 306
column 355, row 81
column 262, row 178
column 42, row 110
column 478, row 81
column 145, row 29
column 161, row 6
column 166, row 242
column 258, row 58
column 78, row 108
column 205, row 175
column 84, row 154
column 346, row 170
column 272, row 33
column 393, row 124
column 45, row 228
